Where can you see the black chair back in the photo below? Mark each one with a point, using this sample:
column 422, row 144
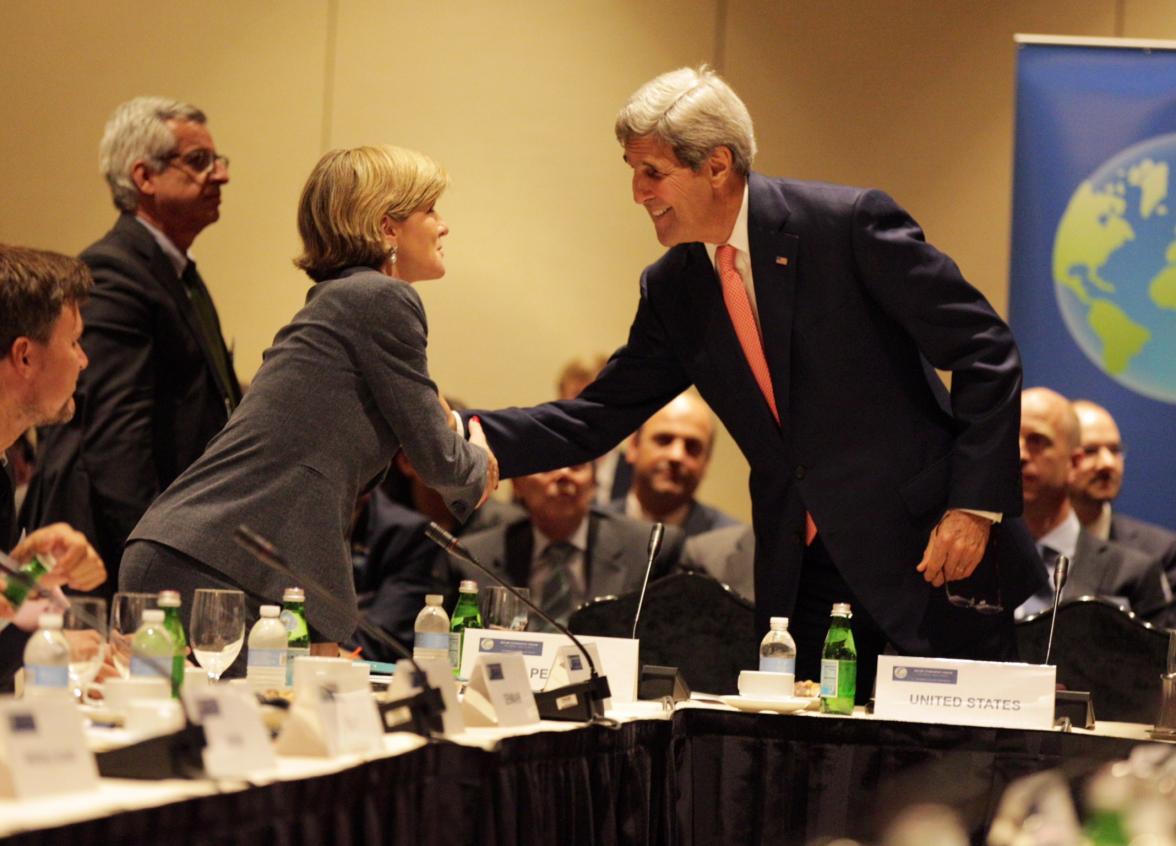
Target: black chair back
column 690, row 621
column 1100, row 648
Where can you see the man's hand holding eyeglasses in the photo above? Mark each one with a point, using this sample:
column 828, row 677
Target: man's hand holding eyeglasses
column 955, row 547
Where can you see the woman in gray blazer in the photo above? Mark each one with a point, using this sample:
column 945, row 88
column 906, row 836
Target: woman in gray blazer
column 344, row 386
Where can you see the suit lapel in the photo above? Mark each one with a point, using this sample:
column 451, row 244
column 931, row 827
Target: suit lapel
column 773, row 264
column 602, row 571
column 518, row 549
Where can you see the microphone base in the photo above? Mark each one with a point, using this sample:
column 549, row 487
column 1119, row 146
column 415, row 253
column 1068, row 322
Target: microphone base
column 662, row 683
column 580, row 702
column 177, row 755
column 1077, row 706
column 419, row 713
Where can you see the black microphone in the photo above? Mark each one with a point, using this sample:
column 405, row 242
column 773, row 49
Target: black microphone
column 420, row 712
column 1060, row 574
column 583, row 701
column 654, row 547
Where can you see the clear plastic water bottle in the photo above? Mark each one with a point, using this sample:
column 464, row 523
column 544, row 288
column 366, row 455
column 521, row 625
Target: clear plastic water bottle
column 265, row 667
column 297, row 633
column 466, row 615
column 778, row 649
column 839, row 663
column 169, row 601
column 46, row 659
column 152, row 648
column 431, row 631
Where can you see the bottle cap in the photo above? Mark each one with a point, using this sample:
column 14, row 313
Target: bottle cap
column 434, row 599
column 51, row 620
column 779, row 624
column 153, row 615
column 271, row 610
column 841, row 609
column 468, row 586
column 169, row 599
column 294, row 594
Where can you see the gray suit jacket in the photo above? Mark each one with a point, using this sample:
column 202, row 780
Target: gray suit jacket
column 726, row 554
column 615, row 561
column 1114, row 571
column 344, row 386
column 1147, row 537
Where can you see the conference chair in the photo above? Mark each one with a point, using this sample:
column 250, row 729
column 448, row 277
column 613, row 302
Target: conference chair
column 1101, row 648
column 689, row 621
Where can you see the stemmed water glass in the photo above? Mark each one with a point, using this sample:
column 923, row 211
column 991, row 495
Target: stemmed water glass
column 84, row 627
column 126, row 615
column 217, row 629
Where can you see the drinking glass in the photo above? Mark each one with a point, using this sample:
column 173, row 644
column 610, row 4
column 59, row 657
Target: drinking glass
column 126, row 615
column 217, row 629
column 503, row 610
column 84, row 627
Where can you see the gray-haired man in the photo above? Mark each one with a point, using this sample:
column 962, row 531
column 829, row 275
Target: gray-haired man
column 162, row 381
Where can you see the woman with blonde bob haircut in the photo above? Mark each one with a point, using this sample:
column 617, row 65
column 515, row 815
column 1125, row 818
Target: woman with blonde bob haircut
column 344, row 387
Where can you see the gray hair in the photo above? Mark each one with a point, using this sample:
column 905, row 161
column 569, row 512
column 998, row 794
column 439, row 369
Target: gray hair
column 138, row 131
column 694, row 111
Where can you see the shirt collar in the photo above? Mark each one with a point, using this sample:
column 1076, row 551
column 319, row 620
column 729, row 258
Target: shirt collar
column 579, row 538
column 178, row 260
column 1063, row 537
column 738, row 237
column 1101, row 527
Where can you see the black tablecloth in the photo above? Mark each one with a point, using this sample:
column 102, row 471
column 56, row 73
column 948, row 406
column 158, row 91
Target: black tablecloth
column 706, row 777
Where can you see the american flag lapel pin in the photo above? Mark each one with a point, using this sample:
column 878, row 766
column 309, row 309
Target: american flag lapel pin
column 782, row 261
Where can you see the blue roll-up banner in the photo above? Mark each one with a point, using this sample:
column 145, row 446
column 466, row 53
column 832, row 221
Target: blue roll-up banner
column 1092, row 296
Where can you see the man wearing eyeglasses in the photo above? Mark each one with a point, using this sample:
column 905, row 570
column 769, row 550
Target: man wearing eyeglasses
column 161, row 380
column 1096, row 482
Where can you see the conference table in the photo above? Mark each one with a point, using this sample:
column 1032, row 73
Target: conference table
column 699, row 773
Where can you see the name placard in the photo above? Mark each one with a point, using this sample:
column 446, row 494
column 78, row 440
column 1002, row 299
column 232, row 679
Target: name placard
column 499, row 693
column 618, row 656
column 238, row 743
column 439, row 675
column 43, row 748
column 350, row 721
column 965, row 693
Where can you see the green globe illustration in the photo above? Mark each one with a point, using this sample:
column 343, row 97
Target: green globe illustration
column 1114, row 268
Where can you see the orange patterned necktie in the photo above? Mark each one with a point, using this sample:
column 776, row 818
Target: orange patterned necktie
column 750, row 339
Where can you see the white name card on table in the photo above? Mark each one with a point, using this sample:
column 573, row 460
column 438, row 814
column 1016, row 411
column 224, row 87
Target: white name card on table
column 440, row 675
column 618, row 656
column 237, row 741
column 965, row 693
column 499, row 693
column 324, row 722
column 570, row 667
column 43, row 748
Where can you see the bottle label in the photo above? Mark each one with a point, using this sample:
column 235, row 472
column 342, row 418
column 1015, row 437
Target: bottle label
column 432, row 640
column 292, row 653
column 778, row 665
column 40, row 675
column 151, row 667
column 266, row 658
column 829, row 669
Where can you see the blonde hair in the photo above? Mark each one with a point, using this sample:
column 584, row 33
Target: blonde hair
column 346, row 198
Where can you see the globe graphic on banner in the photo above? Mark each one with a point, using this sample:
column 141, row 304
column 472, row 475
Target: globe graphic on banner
column 1114, row 268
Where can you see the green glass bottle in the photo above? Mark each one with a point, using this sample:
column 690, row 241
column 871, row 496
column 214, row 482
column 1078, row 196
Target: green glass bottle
column 297, row 633
column 169, row 601
column 37, row 566
column 839, row 663
column 466, row 615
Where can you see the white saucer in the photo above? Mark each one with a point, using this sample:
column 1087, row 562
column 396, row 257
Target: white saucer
column 781, row 705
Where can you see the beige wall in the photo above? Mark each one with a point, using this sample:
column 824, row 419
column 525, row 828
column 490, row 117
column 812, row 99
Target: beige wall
column 517, row 100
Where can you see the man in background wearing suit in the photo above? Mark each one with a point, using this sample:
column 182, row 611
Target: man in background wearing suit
column 40, row 359
column 1050, row 454
column 162, row 381
column 669, row 455
column 809, row 317
column 564, row 549
column 1096, row 483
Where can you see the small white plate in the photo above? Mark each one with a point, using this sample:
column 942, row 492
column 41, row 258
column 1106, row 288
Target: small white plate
column 783, row 705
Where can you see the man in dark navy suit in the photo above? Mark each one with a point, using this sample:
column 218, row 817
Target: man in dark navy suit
column 810, row 316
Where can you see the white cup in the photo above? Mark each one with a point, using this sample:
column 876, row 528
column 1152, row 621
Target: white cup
column 149, row 717
column 195, row 678
column 119, row 693
column 754, row 684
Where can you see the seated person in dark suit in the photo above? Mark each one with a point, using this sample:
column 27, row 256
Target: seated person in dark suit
column 726, row 554
column 1096, row 483
column 564, row 549
column 40, row 359
column 669, row 455
column 394, row 559
column 1049, row 455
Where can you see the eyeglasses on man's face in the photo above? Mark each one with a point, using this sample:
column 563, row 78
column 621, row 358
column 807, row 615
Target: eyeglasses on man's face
column 200, row 162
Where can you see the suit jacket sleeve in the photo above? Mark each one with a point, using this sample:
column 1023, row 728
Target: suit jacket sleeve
column 397, row 370
column 956, row 330
column 640, row 378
